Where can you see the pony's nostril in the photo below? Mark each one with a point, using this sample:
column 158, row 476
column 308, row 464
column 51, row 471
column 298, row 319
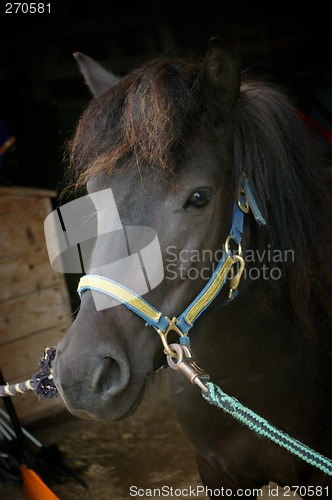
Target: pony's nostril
column 112, row 378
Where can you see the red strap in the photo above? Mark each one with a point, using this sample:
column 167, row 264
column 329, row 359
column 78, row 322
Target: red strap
column 318, row 126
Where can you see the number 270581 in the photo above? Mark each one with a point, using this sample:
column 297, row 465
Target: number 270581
column 27, row 8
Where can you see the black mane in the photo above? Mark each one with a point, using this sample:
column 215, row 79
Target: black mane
column 273, row 146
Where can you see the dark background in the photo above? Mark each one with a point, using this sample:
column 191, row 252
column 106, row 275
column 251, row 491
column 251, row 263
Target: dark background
column 42, row 92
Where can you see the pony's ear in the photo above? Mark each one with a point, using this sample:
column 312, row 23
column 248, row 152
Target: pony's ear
column 221, row 74
column 96, row 77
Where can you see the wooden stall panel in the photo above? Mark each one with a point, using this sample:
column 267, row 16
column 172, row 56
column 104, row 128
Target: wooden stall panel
column 21, row 223
column 26, row 273
column 31, row 313
column 34, row 304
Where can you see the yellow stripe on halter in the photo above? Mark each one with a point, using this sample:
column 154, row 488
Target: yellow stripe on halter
column 120, row 293
column 211, row 292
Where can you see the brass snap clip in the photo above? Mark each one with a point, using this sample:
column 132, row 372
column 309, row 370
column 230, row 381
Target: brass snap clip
column 163, row 335
column 186, row 364
column 235, row 280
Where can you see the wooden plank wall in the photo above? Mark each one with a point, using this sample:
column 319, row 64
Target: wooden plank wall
column 34, row 304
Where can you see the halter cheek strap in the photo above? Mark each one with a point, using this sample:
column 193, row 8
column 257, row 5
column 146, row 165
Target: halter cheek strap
column 230, row 258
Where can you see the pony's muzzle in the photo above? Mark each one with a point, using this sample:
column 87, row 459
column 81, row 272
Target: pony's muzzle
column 88, row 381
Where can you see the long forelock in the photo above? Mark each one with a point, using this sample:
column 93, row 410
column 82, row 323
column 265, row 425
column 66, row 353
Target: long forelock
column 150, row 117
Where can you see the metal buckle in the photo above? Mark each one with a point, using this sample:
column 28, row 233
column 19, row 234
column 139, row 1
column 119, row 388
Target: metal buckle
column 235, row 280
column 163, row 335
column 186, row 364
column 227, row 242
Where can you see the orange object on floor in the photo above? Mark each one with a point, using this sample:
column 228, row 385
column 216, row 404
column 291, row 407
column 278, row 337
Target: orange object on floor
column 34, row 487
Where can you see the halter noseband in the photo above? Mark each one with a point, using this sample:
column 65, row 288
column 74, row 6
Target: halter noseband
column 181, row 325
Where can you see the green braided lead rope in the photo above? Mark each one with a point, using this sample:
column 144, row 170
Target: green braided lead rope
column 262, row 427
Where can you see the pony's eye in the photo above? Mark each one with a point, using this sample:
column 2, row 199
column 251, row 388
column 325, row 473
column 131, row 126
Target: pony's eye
column 199, row 198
